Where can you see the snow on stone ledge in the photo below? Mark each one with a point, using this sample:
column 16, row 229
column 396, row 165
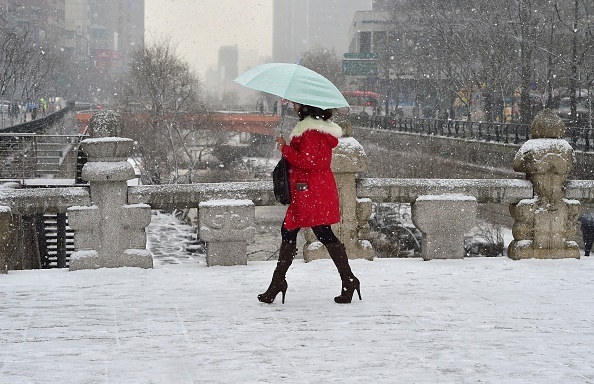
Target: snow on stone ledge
column 83, row 207
column 81, row 255
column 107, row 140
column 226, row 202
column 545, row 145
column 447, row 196
column 351, row 145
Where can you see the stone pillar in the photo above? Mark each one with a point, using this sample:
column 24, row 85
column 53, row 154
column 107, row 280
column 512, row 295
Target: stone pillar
column 6, row 237
column 444, row 219
column 110, row 233
column 348, row 159
column 227, row 227
column 545, row 226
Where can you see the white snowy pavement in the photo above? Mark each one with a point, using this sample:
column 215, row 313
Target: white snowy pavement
column 480, row 320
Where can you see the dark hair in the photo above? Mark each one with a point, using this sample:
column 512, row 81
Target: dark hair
column 315, row 112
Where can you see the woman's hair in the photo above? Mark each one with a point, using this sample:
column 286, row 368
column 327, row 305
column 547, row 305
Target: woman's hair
column 315, row 112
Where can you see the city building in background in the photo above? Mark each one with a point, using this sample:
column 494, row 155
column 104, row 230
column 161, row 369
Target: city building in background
column 227, row 66
column 376, row 62
column 102, row 32
column 368, row 31
column 301, row 25
column 45, row 19
column 114, row 27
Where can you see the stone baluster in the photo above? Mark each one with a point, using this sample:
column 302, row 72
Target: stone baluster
column 444, row 219
column 545, row 226
column 227, row 227
column 348, row 159
column 110, row 232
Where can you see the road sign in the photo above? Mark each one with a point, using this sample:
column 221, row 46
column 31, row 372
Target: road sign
column 363, row 56
column 360, row 67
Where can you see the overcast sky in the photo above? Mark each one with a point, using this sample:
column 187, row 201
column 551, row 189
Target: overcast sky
column 200, row 27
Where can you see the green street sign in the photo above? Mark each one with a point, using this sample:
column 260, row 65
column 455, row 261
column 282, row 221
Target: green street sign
column 360, row 67
column 362, row 56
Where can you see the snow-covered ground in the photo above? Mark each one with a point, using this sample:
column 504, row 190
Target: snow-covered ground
column 477, row 320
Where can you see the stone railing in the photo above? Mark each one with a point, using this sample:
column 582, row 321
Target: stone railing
column 109, row 217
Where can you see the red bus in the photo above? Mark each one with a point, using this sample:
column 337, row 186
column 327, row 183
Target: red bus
column 362, row 102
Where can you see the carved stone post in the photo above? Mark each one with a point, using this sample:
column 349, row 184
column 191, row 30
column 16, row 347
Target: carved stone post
column 110, row 233
column 545, row 225
column 444, row 219
column 348, row 159
column 227, row 226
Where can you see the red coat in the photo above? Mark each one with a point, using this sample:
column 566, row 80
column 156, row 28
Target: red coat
column 309, row 155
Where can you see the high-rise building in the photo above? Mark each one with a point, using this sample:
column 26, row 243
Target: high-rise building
column 228, row 66
column 301, row 25
column 106, row 30
column 77, row 35
column 44, row 19
column 383, row 5
column 228, row 60
column 115, row 27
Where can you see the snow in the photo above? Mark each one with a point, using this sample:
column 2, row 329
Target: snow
column 351, row 145
column 81, row 255
column 107, row 140
column 226, row 202
column 543, row 146
column 447, row 197
column 488, row 320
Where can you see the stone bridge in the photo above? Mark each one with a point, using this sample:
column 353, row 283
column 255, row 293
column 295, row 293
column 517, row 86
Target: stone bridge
column 109, row 218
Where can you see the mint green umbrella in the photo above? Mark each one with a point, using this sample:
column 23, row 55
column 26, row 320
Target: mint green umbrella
column 294, row 82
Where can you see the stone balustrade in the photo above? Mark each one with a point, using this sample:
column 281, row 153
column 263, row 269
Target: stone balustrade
column 227, row 226
column 109, row 217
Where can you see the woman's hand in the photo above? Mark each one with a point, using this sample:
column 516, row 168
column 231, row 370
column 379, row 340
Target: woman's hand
column 280, row 141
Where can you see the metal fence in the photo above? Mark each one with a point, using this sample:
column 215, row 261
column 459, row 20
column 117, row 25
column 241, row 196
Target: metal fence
column 579, row 138
column 30, row 156
column 38, row 125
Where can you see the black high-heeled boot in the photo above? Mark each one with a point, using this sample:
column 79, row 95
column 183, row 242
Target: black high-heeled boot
column 286, row 254
column 275, row 287
column 350, row 283
column 348, row 288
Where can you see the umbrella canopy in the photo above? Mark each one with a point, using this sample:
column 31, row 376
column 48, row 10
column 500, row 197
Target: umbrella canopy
column 294, row 82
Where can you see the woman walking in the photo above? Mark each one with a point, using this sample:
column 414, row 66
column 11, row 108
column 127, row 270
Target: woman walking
column 314, row 199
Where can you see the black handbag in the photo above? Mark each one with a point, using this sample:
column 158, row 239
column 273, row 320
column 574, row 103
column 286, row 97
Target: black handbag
column 280, row 180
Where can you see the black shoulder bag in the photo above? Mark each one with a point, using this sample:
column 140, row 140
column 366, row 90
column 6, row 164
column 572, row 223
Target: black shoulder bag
column 280, row 179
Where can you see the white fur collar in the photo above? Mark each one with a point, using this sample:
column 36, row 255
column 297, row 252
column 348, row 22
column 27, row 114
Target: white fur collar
column 316, row 124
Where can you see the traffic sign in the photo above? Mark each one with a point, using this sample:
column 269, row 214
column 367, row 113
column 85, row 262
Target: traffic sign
column 364, row 56
column 360, row 67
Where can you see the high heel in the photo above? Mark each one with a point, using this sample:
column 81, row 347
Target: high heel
column 348, row 288
column 286, row 254
column 350, row 283
column 270, row 294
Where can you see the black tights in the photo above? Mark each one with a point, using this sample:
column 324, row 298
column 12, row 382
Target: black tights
column 323, row 233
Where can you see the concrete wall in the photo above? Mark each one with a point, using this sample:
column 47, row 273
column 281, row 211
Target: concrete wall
column 479, row 160
column 483, row 157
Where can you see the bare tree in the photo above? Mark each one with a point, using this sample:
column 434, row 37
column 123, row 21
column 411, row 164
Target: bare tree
column 28, row 70
column 502, row 48
column 325, row 62
column 163, row 113
column 577, row 20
